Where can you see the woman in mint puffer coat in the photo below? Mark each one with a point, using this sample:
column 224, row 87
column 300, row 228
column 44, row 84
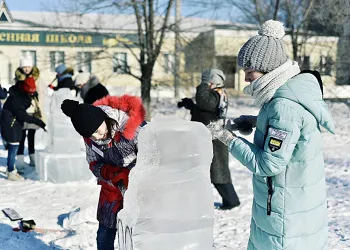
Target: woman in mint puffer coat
column 289, row 209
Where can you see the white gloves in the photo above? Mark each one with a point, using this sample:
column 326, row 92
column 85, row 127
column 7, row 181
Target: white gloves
column 218, row 131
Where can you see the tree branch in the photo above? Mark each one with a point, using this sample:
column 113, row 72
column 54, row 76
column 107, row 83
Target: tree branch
column 166, row 18
column 139, row 31
column 151, row 36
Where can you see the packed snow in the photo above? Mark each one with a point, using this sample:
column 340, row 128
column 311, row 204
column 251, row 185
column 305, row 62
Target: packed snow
column 66, row 212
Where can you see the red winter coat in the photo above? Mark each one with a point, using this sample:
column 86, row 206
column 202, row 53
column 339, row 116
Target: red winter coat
column 111, row 161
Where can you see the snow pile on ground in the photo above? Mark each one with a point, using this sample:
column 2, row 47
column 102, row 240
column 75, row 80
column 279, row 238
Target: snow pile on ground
column 69, row 209
column 336, row 91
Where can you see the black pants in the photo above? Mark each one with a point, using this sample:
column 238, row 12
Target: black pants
column 105, row 238
column 228, row 194
column 31, row 138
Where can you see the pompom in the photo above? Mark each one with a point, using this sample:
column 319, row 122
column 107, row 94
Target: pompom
column 69, row 107
column 272, row 28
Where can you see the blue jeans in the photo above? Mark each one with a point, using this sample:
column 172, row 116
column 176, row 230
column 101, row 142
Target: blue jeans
column 105, row 238
column 11, row 156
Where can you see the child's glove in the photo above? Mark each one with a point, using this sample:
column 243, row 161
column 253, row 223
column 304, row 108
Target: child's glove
column 115, row 175
column 50, row 86
column 218, row 131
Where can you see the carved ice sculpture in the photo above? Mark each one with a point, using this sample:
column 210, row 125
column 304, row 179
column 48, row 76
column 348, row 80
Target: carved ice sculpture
column 63, row 157
column 169, row 201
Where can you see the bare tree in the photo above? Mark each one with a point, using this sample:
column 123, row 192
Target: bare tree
column 294, row 13
column 152, row 21
column 150, row 42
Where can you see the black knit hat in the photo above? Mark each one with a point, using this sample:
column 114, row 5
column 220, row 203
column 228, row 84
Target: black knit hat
column 86, row 118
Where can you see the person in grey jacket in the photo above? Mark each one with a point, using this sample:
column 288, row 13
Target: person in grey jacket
column 211, row 105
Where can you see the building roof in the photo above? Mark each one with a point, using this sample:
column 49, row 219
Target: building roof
column 5, row 13
column 101, row 22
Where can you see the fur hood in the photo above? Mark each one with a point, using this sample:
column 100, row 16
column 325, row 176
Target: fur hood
column 132, row 106
column 21, row 76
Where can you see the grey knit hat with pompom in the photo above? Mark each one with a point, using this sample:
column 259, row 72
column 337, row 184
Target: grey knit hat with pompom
column 264, row 52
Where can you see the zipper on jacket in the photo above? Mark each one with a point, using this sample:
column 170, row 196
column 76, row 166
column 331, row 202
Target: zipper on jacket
column 269, row 196
column 13, row 122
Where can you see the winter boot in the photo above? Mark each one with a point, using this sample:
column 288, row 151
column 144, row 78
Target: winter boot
column 32, row 160
column 14, row 176
column 20, row 164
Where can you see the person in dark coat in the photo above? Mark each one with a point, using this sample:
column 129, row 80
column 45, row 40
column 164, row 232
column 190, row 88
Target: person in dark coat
column 64, row 76
column 3, row 95
column 13, row 117
column 26, row 70
column 110, row 128
column 210, row 106
column 90, row 87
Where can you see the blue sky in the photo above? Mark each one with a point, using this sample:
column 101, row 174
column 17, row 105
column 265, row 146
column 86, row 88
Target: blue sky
column 199, row 8
column 29, row 6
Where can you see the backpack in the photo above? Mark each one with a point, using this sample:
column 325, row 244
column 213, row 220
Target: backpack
column 221, row 111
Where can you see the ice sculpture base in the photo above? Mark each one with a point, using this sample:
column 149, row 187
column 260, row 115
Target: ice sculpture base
column 60, row 168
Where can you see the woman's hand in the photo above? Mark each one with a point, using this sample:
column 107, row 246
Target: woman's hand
column 218, row 131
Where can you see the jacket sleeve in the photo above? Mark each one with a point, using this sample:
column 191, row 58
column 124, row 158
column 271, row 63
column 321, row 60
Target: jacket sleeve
column 3, row 93
column 206, row 98
column 91, row 157
column 21, row 114
column 98, row 168
column 281, row 138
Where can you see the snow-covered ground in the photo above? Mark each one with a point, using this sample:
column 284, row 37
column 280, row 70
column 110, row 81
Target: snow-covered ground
column 69, row 209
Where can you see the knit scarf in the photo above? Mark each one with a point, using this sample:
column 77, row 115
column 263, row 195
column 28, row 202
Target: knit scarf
column 264, row 88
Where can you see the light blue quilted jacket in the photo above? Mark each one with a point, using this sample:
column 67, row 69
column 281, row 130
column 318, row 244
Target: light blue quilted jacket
column 287, row 159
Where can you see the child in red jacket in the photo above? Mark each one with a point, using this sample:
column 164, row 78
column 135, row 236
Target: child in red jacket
column 110, row 127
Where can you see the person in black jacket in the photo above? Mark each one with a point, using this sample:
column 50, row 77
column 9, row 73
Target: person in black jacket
column 3, row 95
column 211, row 105
column 90, row 87
column 64, row 78
column 28, row 69
column 13, row 117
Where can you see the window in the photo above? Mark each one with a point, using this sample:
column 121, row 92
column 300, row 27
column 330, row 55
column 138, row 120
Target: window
column 3, row 18
column 120, row 63
column 84, row 61
column 29, row 53
column 56, row 58
column 169, row 60
column 326, row 63
column 304, row 62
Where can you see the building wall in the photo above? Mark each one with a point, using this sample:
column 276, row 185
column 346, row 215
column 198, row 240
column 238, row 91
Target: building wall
column 102, row 54
column 200, row 50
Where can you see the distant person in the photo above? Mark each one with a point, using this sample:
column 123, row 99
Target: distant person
column 90, row 88
column 211, row 105
column 13, row 116
column 289, row 208
column 3, row 95
column 64, row 76
column 110, row 128
column 28, row 70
